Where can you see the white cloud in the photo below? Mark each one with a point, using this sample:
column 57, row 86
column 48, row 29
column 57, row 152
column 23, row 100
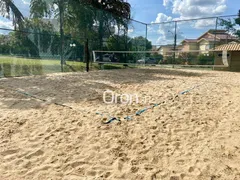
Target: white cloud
column 166, row 2
column 197, row 8
column 130, row 31
column 6, row 25
column 162, row 18
column 203, row 23
column 26, row 2
column 190, row 9
column 220, row 9
column 165, row 30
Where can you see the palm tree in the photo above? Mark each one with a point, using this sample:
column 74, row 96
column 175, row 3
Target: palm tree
column 118, row 13
column 9, row 9
column 70, row 10
column 117, row 7
column 47, row 8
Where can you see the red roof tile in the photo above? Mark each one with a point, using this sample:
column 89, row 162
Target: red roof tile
column 228, row 47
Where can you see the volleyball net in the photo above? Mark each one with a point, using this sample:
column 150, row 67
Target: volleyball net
column 168, row 58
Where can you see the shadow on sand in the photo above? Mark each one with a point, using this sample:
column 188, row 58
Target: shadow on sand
column 77, row 87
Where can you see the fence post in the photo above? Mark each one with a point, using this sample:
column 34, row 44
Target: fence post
column 146, row 36
column 215, row 37
column 61, row 9
column 175, row 44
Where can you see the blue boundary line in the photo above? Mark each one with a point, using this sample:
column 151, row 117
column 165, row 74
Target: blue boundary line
column 139, row 112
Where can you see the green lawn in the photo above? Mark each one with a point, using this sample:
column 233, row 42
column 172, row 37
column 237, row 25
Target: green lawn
column 15, row 66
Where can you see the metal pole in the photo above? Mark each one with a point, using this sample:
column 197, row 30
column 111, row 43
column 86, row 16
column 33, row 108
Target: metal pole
column 195, row 19
column 146, row 36
column 87, row 58
column 61, row 9
column 175, row 44
column 215, row 37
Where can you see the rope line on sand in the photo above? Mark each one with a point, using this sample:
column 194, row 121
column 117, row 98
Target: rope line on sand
column 44, row 100
column 140, row 112
column 111, row 119
column 41, row 99
column 35, row 97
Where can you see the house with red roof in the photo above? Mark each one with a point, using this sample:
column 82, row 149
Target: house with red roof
column 214, row 38
column 232, row 56
column 190, row 45
column 207, row 41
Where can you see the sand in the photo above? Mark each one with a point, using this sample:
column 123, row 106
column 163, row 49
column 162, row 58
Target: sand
column 190, row 136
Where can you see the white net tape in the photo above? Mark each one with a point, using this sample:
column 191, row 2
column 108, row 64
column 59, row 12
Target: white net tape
column 190, row 58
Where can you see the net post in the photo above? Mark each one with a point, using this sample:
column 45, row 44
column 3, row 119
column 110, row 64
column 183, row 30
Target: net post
column 87, row 58
column 94, row 56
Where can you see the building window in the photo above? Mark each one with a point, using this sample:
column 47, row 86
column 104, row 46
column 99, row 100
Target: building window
column 220, row 55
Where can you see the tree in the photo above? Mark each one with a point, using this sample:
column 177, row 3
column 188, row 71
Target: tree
column 231, row 25
column 158, row 57
column 186, row 58
column 41, row 8
column 118, row 8
column 35, row 36
column 119, row 13
column 40, row 32
column 8, row 9
column 140, row 43
column 5, row 47
column 204, row 59
column 119, row 43
column 80, row 16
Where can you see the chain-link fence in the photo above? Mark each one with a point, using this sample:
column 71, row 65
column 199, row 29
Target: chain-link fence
column 192, row 42
column 64, row 41
column 63, row 38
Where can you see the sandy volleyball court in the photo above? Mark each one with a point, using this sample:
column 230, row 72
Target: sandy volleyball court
column 190, row 136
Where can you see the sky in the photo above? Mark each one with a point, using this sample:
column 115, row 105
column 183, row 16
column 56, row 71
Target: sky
column 156, row 11
column 149, row 10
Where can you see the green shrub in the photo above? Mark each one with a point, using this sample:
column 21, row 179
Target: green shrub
column 204, row 59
